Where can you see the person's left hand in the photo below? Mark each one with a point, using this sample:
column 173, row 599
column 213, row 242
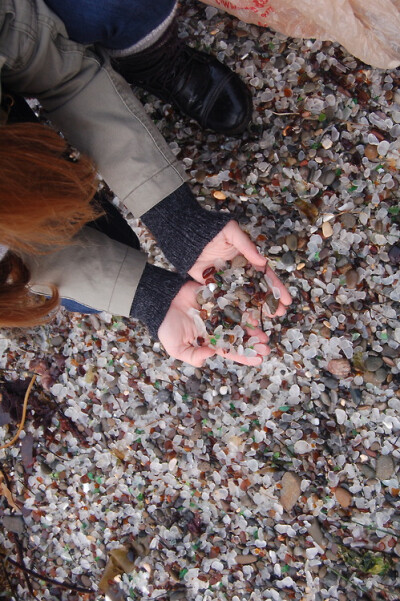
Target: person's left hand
column 230, row 242
column 178, row 333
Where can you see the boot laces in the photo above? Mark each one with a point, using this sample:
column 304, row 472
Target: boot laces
column 174, row 65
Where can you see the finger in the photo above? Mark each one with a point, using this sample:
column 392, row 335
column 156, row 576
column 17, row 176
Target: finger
column 251, row 321
column 250, row 318
column 281, row 310
column 251, row 361
column 195, row 356
column 285, row 297
column 262, row 349
column 257, row 332
column 262, row 336
column 244, row 245
column 252, row 329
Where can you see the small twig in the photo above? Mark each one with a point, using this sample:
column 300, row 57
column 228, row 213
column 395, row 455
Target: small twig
column 373, row 527
column 21, row 559
column 10, row 583
column 284, row 114
column 14, row 480
column 262, row 318
column 72, row 425
column 349, row 580
column 21, row 425
column 36, row 576
column 50, row 452
column 386, row 590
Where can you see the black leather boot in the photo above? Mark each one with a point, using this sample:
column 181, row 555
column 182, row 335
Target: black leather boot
column 194, row 82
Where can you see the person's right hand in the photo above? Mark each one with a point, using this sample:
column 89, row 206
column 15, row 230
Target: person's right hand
column 230, row 242
column 178, row 333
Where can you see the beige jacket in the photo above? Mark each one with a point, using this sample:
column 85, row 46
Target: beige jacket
column 96, row 110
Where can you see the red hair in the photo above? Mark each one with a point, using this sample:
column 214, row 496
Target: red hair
column 45, row 199
column 18, row 306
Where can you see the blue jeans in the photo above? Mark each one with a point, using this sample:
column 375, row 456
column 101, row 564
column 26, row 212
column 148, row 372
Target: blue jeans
column 75, row 307
column 115, row 24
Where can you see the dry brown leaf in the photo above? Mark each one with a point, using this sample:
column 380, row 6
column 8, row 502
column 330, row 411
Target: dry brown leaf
column 118, row 454
column 120, row 562
column 5, row 492
column 111, row 571
column 308, row 209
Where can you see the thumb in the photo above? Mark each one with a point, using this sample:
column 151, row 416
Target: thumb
column 245, row 246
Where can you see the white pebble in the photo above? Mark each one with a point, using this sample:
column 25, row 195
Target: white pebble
column 341, row 416
column 252, row 464
column 311, row 553
column 372, row 139
column 172, row 464
column 302, row 446
column 383, row 147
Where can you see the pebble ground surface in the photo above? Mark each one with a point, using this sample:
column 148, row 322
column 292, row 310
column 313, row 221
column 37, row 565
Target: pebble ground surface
column 233, row 483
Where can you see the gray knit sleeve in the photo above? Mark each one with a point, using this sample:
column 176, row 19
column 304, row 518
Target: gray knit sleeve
column 182, row 227
column 156, row 290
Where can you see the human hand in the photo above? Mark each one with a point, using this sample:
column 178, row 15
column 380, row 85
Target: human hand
column 285, row 299
column 178, row 333
column 230, row 242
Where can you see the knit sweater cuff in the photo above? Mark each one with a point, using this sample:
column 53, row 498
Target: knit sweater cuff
column 182, row 227
column 156, row 290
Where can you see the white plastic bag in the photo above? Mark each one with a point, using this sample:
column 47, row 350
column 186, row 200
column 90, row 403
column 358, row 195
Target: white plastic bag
column 368, row 29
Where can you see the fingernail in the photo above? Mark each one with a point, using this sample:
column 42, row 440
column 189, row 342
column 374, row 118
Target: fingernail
column 260, row 348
